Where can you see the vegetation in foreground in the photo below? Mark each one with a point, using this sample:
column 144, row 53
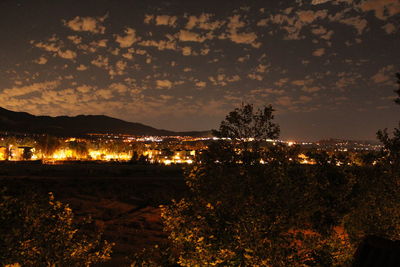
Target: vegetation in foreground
column 42, row 232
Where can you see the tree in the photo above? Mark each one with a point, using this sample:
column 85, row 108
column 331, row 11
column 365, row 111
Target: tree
column 392, row 144
column 37, row 231
column 376, row 208
column 246, row 123
column 243, row 212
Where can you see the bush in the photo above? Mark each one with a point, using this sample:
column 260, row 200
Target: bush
column 40, row 231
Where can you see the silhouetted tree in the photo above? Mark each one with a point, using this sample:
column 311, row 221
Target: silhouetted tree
column 392, row 144
column 254, row 213
column 245, row 123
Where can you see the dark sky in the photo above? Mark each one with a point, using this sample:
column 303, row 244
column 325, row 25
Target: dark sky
column 326, row 66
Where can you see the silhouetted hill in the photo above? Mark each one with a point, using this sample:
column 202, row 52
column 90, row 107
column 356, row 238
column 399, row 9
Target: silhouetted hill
column 23, row 122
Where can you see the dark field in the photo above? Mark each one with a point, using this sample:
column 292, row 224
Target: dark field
column 122, row 199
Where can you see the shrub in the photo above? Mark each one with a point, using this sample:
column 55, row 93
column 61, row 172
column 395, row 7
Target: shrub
column 40, row 231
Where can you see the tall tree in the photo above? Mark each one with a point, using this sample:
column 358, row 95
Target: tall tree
column 245, row 123
column 270, row 213
column 392, row 144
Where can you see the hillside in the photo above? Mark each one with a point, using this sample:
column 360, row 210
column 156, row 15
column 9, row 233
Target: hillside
column 23, row 122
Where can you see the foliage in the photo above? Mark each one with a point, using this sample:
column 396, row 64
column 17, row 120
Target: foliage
column 392, row 144
column 274, row 214
column 253, row 204
column 41, row 232
column 244, row 211
column 159, row 255
column 245, row 122
column 391, row 153
column 375, row 209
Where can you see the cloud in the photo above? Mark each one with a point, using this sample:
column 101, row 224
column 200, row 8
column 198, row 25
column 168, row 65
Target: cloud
column 160, row 45
column 389, row 28
column 119, row 88
column 118, row 69
column 99, row 43
column 84, row 88
column 101, row 62
column 163, row 84
column 166, row 97
column 309, row 16
column 358, row 23
column 234, row 78
column 245, row 38
column 323, row 33
column 187, row 36
column 346, row 79
column 166, row 20
column 129, row 39
column 204, row 22
column 87, row 24
column 234, row 25
column 75, row 39
column 319, row 2
column 383, row 9
column 304, row 99
column 55, row 46
column 148, row 18
column 311, row 89
column 266, row 92
column 186, row 51
column 383, row 75
column 244, row 58
column 67, row 54
column 255, row 76
column 319, row 52
column 293, row 24
column 41, row 61
column 262, row 22
column 81, row 67
column 299, row 82
column 201, row 84
column 49, row 47
column 261, row 68
column 29, row 89
column 104, row 93
column 204, row 51
column 285, row 101
column 281, row 82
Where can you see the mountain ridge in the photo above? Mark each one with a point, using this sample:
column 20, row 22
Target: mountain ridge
column 23, row 122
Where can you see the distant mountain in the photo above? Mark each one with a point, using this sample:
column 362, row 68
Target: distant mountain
column 23, row 122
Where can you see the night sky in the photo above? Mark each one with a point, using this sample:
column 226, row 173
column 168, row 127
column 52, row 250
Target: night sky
column 327, row 67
